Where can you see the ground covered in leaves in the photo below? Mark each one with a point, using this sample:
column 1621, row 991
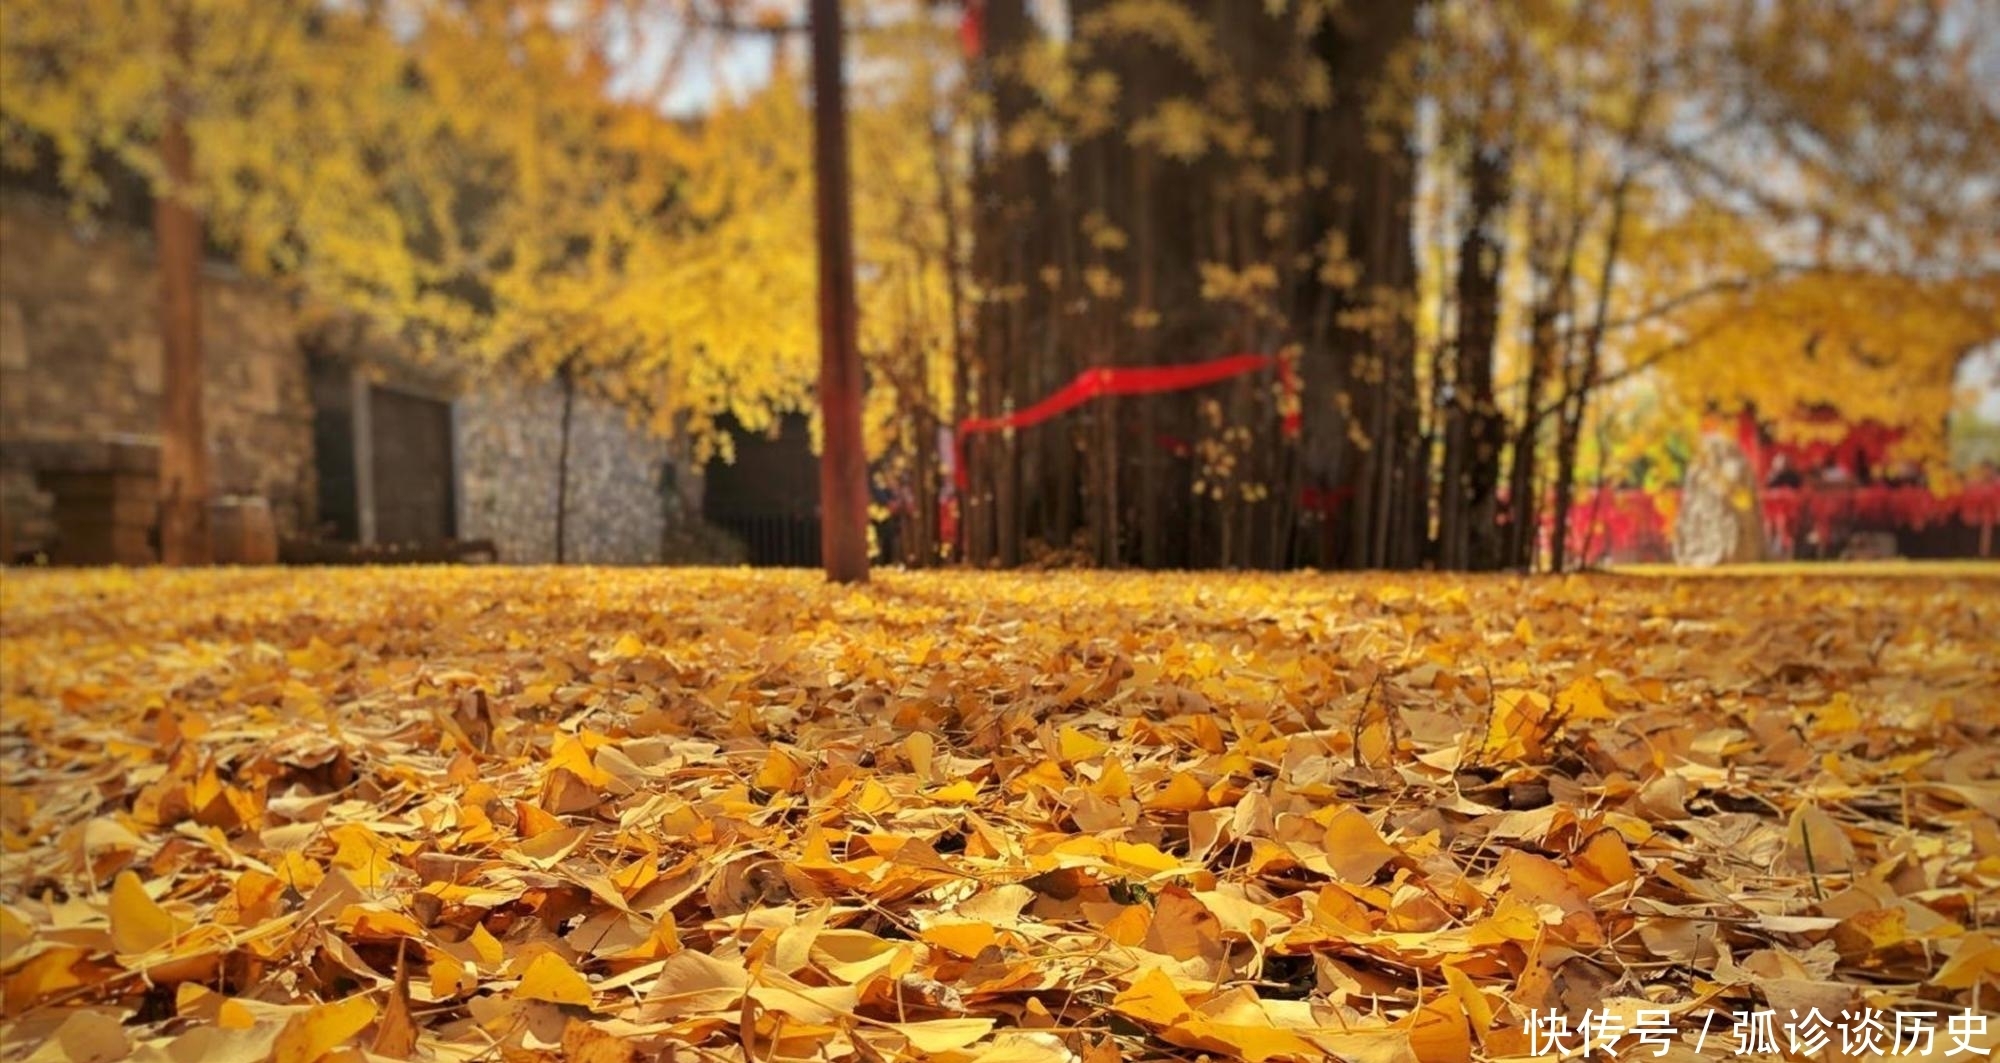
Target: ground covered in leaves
column 721, row 815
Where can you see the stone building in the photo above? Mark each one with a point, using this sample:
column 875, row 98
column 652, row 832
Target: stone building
column 339, row 437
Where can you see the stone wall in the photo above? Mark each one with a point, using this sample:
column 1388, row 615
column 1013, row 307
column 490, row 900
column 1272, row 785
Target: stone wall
column 80, row 367
column 625, row 503
column 80, row 363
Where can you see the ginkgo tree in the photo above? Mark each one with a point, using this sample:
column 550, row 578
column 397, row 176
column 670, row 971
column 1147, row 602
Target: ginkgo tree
column 574, row 231
column 1873, row 346
column 529, row 205
column 1857, row 191
column 251, row 123
column 668, row 265
column 469, row 177
column 1773, row 206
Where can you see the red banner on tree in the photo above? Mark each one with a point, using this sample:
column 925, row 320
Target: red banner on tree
column 1132, row 380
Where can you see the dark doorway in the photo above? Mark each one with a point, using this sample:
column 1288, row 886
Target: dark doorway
column 412, row 464
column 768, row 497
column 333, row 448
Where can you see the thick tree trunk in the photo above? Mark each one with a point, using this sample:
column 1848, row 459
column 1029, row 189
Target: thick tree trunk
column 1359, row 405
column 975, row 501
column 961, row 381
column 184, row 531
column 1014, row 222
column 1472, row 420
column 843, row 476
column 1106, row 249
column 1152, row 521
column 1567, row 433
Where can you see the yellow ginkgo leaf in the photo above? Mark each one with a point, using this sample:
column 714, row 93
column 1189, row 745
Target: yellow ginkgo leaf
column 780, row 773
column 1115, row 784
column 965, row 939
column 1242, row 1040
column 485, row 945
column 322, row 1029
column 1076, row 745
column 1974, row 959
column 921, row 749
column 138, row 923
column 1152, row 998
column 943, row 1035
column 1584, row 699
column 548, row 978
column 1181, row 794
column 1438, row 1032
column 962, row 792
column 1354, row 848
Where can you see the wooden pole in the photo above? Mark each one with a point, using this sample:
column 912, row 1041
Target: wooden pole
column 568, row 377
column 184, row 532
column 843, row 466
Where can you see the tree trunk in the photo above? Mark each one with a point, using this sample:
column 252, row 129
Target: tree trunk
column 184, row 531
column 955, row 302
column 1472, row 420
column 1360, row 414
column 1152, row 523
column 1576, row 402
column 1523, row 514
column 562, row 466
column 1016, row 220
column 1552, row 266
column 843, row 475
column 1568, row 429
column 1053, row 304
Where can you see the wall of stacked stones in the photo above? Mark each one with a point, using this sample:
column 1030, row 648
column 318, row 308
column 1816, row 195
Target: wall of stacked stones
column 510, row 444
column 80, row 365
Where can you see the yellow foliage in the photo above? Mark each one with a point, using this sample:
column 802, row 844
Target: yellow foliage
column 465, row 175
column 1292, row 767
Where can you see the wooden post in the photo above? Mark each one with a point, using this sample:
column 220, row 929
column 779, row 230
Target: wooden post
column 843, row 467
column 184, row 532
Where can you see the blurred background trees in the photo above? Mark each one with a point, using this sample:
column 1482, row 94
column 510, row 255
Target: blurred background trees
column 1506, row 252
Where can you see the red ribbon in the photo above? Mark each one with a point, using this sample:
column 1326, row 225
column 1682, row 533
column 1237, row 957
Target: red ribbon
column 1130, row 380
column 972, row 28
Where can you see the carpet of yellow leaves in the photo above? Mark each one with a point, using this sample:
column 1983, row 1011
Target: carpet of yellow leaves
column 514, row 814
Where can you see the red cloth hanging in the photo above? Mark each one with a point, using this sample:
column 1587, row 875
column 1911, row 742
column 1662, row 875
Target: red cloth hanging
column 1323, row 500
column 1131, row 380
column 972, row 28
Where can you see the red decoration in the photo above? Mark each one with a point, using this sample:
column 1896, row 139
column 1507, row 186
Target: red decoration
column 1865, row 446
column 1131, row 380
column 1324, row 500
column 1629, row 521
column 972, row 28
